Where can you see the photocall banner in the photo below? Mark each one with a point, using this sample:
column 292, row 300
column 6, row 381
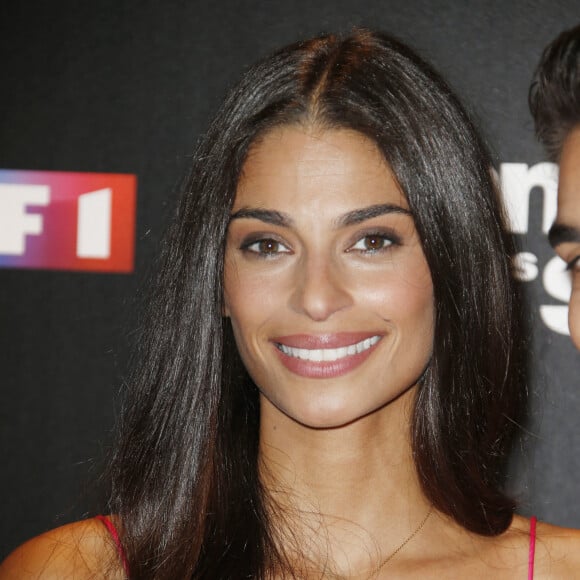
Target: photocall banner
column 127, row 88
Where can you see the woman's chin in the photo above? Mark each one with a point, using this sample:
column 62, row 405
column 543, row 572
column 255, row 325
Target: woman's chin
column 325, row 414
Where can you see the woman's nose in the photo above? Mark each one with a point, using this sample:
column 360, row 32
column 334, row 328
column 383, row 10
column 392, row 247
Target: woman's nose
column 320, row 289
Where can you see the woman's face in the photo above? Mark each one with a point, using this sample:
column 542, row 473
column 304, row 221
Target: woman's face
column 328, row 291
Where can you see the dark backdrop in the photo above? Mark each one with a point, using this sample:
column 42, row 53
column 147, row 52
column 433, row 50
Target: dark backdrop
column 127, row 86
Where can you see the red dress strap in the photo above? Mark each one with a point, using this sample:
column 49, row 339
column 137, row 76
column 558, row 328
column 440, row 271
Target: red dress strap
column 532, row 554
column 115, row 536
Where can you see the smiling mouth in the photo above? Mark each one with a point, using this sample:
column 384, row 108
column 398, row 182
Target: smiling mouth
column 328, row 354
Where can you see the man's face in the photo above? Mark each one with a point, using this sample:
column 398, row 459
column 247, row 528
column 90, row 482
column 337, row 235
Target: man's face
column 565, row 233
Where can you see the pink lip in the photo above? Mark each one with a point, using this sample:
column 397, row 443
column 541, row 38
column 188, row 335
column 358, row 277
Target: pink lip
column 312, row 341
column 325, row 369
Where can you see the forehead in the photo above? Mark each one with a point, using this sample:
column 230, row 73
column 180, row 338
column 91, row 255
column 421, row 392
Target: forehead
column 569, row 180
column 313, row 166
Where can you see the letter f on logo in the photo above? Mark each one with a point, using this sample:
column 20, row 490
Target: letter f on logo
column 15, row 223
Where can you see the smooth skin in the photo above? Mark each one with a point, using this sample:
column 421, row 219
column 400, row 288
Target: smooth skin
column 334, row 450
column 568, row 215
column 81, row 550
column 320, row 275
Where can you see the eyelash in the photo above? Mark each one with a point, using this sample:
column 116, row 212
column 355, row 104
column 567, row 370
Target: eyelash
column 387, row 240
column 571, row 265
column 247, row 247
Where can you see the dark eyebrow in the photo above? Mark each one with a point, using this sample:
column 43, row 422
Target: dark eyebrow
column 356, row 216
column 366, row 213
column 560, row 234
column 268, row 216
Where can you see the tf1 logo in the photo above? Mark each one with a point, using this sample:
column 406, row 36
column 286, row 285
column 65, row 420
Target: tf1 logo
column 67, row 221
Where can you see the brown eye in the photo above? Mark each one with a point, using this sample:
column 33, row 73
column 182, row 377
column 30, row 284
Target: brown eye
column 266, row 247
column 372, row 243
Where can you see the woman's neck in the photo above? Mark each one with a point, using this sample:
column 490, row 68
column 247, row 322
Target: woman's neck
column 350, row 494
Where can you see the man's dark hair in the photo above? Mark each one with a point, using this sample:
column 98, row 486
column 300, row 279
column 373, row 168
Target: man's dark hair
column 554, row 96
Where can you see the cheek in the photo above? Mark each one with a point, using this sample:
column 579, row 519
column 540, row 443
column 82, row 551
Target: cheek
column 250, row 301
column 249, row 297
column 400, row 297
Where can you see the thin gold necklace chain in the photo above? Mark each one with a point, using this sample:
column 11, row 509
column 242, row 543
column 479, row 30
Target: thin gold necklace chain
column 384, row 562
column 405, row 542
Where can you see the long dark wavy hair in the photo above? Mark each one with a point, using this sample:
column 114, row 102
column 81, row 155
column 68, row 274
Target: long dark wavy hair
column 186, row 485
column 554, row 96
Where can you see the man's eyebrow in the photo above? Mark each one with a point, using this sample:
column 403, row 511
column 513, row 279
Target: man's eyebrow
column 366, row 213
column 561, row 233
column 268, row 216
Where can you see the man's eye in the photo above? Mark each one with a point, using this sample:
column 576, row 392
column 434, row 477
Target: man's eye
column 266, row 247
column 573, row 264
column 372, row 243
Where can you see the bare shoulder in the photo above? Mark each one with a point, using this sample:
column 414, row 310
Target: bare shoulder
column 80, row 550
column 557, row 549
column 558, row 552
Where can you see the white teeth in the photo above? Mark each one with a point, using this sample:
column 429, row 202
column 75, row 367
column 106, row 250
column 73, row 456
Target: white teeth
column 329, row 354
